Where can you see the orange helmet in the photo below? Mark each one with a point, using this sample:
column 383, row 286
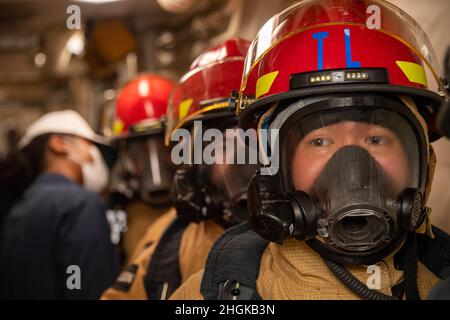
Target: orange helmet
column 142, row 105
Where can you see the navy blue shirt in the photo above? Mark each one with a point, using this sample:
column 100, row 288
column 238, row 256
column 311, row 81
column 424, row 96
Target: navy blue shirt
column 56, row 224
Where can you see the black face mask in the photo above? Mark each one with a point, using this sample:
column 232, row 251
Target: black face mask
column 199, row 196
column 361, row 210
column 216, row 191
column 357, row 211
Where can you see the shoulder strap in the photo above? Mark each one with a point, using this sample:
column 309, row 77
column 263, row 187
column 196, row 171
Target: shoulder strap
column 232, row 266
column 435, row 253
column 163, row 273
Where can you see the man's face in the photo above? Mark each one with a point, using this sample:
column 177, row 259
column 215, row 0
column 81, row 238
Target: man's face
column 318, row 146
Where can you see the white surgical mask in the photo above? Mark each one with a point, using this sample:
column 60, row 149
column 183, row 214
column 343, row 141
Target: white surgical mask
column 95, row 173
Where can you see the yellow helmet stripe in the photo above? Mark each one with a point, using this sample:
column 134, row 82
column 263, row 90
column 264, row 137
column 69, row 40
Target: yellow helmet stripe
column 414, row 72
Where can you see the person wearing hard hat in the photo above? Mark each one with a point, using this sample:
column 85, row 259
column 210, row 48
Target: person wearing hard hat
column 342, row 212
column 54, row 240
column 208, row 198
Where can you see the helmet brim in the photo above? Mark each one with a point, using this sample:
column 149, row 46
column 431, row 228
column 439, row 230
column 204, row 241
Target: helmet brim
column 421, row 96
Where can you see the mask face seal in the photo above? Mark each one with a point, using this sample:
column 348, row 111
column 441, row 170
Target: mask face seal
column 353, row 170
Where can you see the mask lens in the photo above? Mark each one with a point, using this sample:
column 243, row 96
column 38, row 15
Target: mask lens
column 148, row 162
column 386, row 137
column 229, row 172
column 355, row 162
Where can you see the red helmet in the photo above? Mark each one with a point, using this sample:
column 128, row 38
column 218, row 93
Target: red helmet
column 206, row 89
column 205, row 191
column 327, row 46
column 142, row 105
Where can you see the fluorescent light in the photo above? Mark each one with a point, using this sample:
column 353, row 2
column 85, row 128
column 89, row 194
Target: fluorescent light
column 75, row 44
column 176, row 6
column 39, row 59
column 109, row 94
column 98, row 1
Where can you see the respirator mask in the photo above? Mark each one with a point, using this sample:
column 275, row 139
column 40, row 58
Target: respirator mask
column 148, row 169
column 216, row 188
column 351, row 180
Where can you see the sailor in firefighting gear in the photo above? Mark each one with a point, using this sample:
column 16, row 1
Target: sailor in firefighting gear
column 354, row 116
column 142, row 178
column 208, row 198
column 55, row 223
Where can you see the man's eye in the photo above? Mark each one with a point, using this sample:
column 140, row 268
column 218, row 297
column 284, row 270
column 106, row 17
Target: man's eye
column 376, row 140
column 320, row 142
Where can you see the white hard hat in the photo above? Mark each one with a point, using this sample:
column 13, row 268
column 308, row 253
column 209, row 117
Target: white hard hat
column 64, row 122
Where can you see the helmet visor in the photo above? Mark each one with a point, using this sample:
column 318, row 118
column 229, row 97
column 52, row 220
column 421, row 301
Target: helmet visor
column 309, row 14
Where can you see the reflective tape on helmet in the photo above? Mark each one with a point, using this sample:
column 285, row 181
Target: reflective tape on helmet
column 414, row 72
column 118, row 126
column 264, row 83
column 183, row 108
